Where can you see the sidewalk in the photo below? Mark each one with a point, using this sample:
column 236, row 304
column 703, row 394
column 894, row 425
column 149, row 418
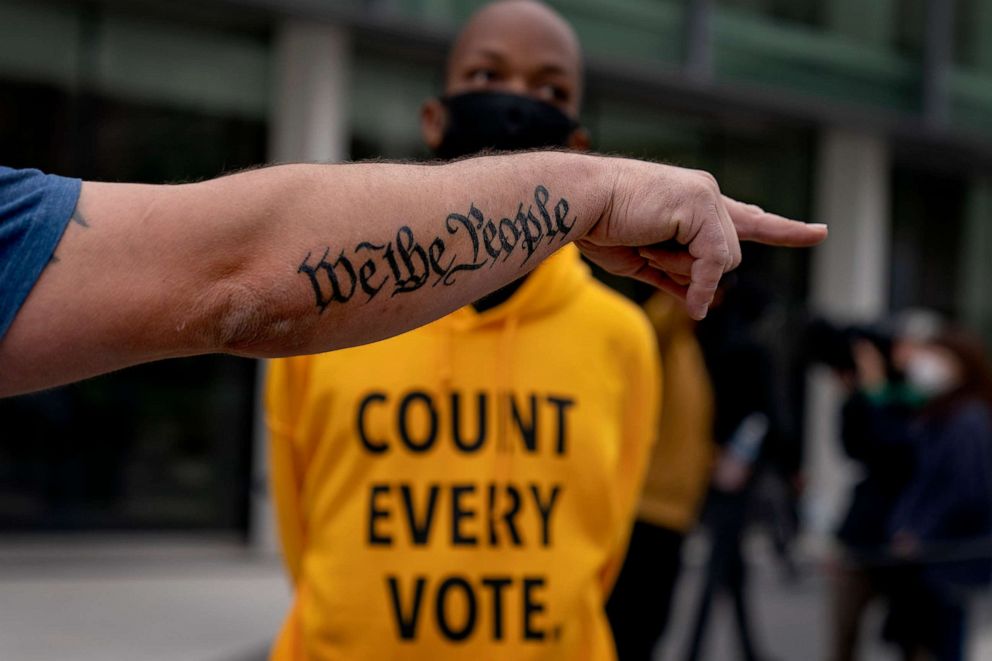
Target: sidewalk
column 139, row 599
column 209, row 599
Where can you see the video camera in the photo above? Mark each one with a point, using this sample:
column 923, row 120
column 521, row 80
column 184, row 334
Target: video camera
column 830, row 344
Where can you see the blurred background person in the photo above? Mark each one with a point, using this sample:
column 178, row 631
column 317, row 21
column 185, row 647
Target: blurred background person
column 678, row 474
column 740, row 367
column 520, row 484
column 942, row 521
column 876, row 419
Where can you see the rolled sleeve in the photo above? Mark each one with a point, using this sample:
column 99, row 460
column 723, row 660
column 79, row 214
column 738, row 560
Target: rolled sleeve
column 34, row 211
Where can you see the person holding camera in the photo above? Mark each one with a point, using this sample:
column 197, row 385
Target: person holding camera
column 875, row 432
column 941, row 524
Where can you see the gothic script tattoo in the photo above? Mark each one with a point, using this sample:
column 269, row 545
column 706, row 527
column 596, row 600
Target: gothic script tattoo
column 405, row 264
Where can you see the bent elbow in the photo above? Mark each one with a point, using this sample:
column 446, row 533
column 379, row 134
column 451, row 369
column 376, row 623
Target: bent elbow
column 259, row 322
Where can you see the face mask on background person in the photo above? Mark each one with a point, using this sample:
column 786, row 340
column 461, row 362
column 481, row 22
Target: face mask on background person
column 931, row 375
column 496, row 120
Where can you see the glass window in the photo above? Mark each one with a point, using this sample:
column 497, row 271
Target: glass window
column 807, row 12
column 972, row 24
column 927, row 225
column 842, row 50
column 384, row 103
column 165, row 445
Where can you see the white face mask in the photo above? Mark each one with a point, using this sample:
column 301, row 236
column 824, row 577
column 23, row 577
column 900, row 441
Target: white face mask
column 930, row 374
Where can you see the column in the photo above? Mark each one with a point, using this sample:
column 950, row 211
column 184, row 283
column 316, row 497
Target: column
column 850, row 282
column 975, row 300
column 310, row 110
column 309, row 122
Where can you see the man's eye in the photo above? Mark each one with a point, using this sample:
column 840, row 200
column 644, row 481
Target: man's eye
column 482, row 76
column 552, row 93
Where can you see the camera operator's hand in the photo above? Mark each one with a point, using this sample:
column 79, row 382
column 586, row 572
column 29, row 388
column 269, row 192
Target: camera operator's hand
column 870, row 365
column 731, row 473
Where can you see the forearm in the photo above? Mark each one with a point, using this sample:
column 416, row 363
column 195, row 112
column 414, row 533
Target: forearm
column 368, row 251
column 301, row 259
column 289, row 259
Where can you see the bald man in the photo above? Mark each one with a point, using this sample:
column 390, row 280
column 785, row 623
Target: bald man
column 513, row 80
column 498, row 97
column 494, row 457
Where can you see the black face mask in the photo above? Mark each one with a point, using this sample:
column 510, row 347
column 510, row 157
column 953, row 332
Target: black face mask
column 507, row 122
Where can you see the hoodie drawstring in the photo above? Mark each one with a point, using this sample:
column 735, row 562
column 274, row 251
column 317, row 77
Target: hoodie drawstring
column 504, row 386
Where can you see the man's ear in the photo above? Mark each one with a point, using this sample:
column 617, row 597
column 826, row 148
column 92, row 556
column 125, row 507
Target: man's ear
column 432, row 121
column 579, row 139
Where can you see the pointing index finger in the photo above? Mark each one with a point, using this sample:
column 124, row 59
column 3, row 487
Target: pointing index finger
column 755, row 224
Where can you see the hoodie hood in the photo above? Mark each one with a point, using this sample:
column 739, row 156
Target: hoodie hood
column 549, row 287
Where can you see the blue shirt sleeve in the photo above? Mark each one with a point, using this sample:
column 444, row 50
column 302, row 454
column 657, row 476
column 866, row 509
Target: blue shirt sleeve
column 34, row 211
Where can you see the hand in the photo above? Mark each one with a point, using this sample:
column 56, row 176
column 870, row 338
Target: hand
column 869, row 364
column 905, row 544
column 672, row 228
column 730, row 474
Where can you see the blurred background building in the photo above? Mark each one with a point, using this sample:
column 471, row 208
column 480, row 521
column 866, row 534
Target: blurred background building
column 874, row 117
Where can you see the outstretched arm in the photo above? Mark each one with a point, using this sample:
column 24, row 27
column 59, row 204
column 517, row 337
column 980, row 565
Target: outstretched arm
column 306, row 258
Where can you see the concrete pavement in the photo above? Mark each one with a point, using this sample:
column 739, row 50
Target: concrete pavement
column 162, row 598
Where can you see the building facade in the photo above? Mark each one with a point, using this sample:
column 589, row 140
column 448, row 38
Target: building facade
column 875, row 118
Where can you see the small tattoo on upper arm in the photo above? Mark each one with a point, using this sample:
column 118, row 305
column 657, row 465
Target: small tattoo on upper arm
column 78, row 218
column 405, row 264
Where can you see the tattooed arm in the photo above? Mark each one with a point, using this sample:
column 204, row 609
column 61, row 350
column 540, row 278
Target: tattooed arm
column 306, row 258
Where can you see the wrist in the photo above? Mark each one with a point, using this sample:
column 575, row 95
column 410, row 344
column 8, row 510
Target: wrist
column 597, row 176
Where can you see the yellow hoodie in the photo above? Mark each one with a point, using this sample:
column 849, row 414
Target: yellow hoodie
column 466, row 490
column 679, row 470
